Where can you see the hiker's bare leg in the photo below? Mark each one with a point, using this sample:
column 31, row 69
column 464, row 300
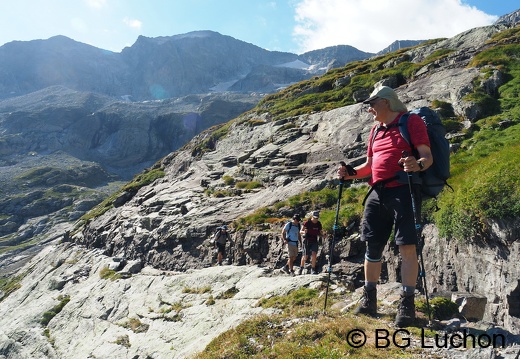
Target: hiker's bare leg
column 409, row 266
column 290, row 263
column 372, row 271
column 313, row 260
column 304, row 259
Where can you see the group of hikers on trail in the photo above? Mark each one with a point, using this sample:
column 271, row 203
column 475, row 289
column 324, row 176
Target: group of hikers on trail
column 305, row 236
column 392, row 205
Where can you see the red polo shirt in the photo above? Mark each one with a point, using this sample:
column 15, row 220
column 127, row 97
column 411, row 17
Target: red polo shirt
column 388, row 145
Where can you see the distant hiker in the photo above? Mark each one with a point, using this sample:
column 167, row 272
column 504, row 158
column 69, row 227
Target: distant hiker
column 292, row 237
column 221, row 237
column 312, row 230
column 388, row 204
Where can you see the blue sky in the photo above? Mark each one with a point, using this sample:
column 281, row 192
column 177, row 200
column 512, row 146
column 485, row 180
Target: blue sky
column 291, row 25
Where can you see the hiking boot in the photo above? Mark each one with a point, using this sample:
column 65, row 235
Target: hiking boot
column 405, row 311
column 292, row 273
column 300, row 271
column 286, row 269
column 368, row 303
column 313, row 271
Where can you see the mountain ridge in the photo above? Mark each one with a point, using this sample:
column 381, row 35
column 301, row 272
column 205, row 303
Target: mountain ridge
column 127, row 73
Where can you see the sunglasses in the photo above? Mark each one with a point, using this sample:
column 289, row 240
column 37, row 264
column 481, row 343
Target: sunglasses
column 373, row 102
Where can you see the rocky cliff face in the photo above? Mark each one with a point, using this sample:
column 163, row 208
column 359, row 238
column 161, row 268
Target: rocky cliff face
column 63, row 151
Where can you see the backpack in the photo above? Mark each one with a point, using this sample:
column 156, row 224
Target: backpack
column 435, row 177
column 291, row 224
column 215, row 236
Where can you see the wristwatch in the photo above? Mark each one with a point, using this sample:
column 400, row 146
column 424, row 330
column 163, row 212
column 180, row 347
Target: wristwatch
column 420, row 164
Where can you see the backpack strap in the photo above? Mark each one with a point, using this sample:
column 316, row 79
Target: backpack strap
column 379, row 127
column 403, row 128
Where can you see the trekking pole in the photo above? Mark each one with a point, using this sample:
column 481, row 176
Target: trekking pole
column 422, row 272
column 351, row 172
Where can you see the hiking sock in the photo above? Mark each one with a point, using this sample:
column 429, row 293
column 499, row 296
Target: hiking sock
column 370, row 285
column 408, row 290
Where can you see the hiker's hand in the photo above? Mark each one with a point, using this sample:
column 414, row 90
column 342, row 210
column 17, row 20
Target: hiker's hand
column 345, row 171
column 408, row 163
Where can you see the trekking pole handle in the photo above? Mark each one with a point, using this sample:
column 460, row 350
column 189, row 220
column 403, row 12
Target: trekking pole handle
column 350, row 170
column 404, row 154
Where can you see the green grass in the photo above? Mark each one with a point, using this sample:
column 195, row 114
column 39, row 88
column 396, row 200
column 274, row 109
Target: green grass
column 143, row 179
column 487, row 189
column 324, row 200
column 209, row 141
column 320, row 94
column 8, row 285
column 199, row 290
column 48, row 315
column 140, row 180
column 106, row 273
column 248, row 185
column 440, row 308
column 135, row 325
column 301, row 330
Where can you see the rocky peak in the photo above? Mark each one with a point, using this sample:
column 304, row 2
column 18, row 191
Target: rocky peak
column 510, row 19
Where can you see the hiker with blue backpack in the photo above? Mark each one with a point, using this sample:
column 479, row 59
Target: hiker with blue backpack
column 391, row 159
column 292, row 237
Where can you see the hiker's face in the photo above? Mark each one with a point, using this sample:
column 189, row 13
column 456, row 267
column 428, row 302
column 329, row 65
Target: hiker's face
column 377, row 106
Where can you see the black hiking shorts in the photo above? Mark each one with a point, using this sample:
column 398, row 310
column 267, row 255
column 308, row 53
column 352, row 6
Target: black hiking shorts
column 309, row 247
column 389, row 208
column 221, row 248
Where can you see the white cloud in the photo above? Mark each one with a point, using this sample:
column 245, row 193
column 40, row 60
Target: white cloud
column 373, row 25
column 96, row 4
column 133, row 23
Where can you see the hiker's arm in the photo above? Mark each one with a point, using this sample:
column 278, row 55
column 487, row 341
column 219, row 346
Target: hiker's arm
column 363, row 170
column 411, row 163
column 284, row 235
column 425, row 156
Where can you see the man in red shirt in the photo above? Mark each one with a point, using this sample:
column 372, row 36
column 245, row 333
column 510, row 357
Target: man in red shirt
column 388, row 204
column 313, row 230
